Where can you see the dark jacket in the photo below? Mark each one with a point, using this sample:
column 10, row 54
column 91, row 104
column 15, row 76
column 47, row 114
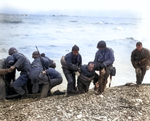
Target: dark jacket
column 85, row 74
column 9, row 61
column 140, row 59
column 51, row 63
column 105, row 56
column 53, row 73
column 21, row 62
column 37, row 67
column 37, row 63
column 73, row 62
column 2, row 82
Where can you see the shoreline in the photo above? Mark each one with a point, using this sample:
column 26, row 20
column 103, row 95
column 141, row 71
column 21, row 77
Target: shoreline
column 115, row 104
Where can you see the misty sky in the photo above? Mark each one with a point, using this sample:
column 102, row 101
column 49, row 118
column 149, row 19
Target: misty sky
column 76, row 7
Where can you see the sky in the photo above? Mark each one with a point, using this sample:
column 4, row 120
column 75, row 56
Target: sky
column 76, row 7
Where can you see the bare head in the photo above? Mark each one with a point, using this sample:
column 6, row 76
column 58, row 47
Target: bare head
column 139, row 46
column 90, row 66
column 75, row 50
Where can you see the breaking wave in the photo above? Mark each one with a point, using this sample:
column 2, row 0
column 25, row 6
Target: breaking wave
column 11, row 21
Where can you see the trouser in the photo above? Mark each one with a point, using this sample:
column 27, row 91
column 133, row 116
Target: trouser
column 46, row 86
column 2, row 89
column 140, row 73
column 83, row 85
column 10, row 77
column 19, row 83
column 71, row 86
column 102, row 79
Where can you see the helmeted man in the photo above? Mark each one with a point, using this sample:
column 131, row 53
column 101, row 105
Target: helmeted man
column 140, row 59
column 104, row 59
column 87, row 74
column 3, row 71
column 21, row 64
column 71, row 63
column 38, row 65
column 42, row 75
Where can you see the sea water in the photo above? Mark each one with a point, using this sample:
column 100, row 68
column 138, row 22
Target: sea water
column 55, row 36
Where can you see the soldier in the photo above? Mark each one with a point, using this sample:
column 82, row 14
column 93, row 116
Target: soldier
column 9, row 77
column 104, row 59
column 140, row 59
column 36, row 67
column 3, row 93
column 71, row 63
column 50, row 78
column 21, row 64
column 42, row 75
column 52, row 64
column 86, row 75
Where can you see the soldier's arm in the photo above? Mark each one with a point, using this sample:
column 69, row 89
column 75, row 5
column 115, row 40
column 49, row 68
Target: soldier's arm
column 133, row 61
column 84, row 77
column 110, row 60
column 4, row 71
column 71, row 66
column 20, row 59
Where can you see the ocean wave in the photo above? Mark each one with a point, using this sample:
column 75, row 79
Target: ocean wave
column 128, row 41
column 73, row 21
column 127, row 23
column 11, row 21
column 118, row 28
column 101, row 22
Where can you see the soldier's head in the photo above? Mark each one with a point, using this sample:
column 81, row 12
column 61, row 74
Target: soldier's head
column 101, row 44
column 91, row 66
column 75, row 50
column 9, row 61
column 12, row 50
column 35, row 54
column 42, row 54
column 139, row 46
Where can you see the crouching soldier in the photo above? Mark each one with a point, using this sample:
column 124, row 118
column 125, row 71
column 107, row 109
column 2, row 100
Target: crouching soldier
column 104, row 59
column 9, row 77
column 2, row 82
column 49, row 79
column 71, row 63
column 140, row 59
column 52, row 64
column 87, row 74
column 38, row 65
column 21, row 64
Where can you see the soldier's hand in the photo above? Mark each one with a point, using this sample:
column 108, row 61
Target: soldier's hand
column 10, row 70
column 44, row 72
column 79, row 70
column 102, row 65
column 147, row 67
column 12, row 67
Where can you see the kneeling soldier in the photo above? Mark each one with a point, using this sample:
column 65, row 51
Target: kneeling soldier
column 86, row 75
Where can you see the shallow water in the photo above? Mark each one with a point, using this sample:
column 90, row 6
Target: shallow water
column 55, row 36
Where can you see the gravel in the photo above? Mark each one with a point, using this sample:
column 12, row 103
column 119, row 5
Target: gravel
column 122, row 103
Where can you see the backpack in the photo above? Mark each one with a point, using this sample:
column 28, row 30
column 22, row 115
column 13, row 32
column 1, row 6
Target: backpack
column 113, row 69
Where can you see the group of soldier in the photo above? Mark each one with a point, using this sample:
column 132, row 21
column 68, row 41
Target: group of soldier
column 40, row 76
